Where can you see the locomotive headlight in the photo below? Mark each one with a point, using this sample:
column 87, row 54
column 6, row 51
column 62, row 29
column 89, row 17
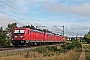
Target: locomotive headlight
column 22, row 36
column 15, row 36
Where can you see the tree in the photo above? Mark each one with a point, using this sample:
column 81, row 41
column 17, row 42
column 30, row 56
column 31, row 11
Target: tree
column 8, row 31
column 32, row 27
column 45, row 30
column 87, row 38
column 82, row 39
column 89, row 32
column 11, row 27
column 28, row 26
column 3, row 38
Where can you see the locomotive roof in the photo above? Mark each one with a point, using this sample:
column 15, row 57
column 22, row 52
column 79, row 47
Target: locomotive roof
column 21, row 28
column 36, row 31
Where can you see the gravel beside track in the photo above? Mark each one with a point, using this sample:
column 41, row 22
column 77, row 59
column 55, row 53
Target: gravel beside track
column 2, row 50
column 13, row 49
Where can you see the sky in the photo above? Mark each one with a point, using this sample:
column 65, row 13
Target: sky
column 74, row 15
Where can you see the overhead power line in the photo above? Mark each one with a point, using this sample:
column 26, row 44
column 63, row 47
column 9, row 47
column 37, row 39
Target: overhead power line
column 11, row 15
column 15, row 8
column 19, row 10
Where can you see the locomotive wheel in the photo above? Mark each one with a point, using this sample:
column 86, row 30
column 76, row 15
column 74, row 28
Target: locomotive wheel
column 29, row 44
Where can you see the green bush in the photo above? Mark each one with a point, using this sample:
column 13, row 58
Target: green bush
column 47, row 51
column 74, row 44
column 40, row 49
column 52, row 48
column 87, row 54
column 77, row 44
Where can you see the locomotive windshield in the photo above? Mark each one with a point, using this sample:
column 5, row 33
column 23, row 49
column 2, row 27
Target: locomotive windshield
column 19, row 31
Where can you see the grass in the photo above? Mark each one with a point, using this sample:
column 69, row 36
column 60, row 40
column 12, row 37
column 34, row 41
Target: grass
column 87, row 55
column 87, row 51
column 72, row 54
column 43, row 53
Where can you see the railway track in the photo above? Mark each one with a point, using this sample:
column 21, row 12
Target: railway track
column 22, row 48
column 7, row 48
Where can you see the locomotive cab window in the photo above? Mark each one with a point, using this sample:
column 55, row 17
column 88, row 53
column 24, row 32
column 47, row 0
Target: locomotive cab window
column 22, row 31
column 16, row 31
column 19, row 31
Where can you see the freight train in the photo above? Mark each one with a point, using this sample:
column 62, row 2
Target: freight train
column 27, row 36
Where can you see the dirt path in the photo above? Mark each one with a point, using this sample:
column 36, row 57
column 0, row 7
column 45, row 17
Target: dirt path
column 82, row 56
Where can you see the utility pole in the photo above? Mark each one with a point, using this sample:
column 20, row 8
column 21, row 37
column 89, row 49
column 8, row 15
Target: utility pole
column 63, row 30
column 76, row 36
column 60, row 29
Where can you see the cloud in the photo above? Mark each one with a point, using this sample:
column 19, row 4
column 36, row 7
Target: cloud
column 4, row 21
column 76, row 28
column 76, row 9
column 79, row 27
column 69, row 27
column 59, row 6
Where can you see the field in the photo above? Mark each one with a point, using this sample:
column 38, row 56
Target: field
column 57, row 52
column 72, row 54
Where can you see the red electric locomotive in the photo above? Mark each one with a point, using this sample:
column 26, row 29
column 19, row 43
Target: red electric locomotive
column 22, row 36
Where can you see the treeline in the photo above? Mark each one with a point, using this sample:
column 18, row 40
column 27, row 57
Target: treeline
column 34, row 28
column 87, row 37
column 5, row 34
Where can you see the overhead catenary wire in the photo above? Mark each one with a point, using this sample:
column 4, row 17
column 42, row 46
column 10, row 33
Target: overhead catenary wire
column 19, row 10
column 13, row 8
column 9, row 20
column 11, row 15
column 12, row 19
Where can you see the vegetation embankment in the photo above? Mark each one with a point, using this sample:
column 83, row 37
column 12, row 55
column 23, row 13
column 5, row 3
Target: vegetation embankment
column 69, row 51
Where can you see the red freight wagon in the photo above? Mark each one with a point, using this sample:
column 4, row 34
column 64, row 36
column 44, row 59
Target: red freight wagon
column 22, row 36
